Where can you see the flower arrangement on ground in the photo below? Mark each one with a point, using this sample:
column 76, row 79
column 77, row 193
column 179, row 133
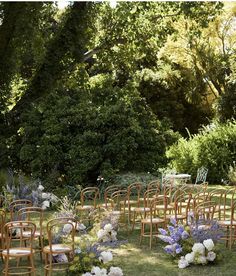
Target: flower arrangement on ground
column 191, row 244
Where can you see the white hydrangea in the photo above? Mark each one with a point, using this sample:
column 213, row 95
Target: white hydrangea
column 209, row 244
column 40, row 188
column 113, row 235
column 201, row 259
column 211, row 256
column 67, row 228
column 101, row 233
column 182, row 263
column 45, row 204
column 87, row 274
column 190, row 257
column 106, row 256
column 80, row 227
column 97, row 271
column 108, row 227
column 115, row 271
column 198, row 248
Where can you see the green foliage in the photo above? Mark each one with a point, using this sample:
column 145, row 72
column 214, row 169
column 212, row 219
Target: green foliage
column 214, row 148
column 82, row 263
column 96, row 128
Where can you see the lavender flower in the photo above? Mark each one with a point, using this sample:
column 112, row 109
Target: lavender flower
column 163, row 231
column 173, row 221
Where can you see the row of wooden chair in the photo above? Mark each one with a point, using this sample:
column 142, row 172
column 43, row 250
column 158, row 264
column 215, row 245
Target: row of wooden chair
column 18, row 238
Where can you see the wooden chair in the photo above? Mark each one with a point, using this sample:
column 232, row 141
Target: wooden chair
column 25, row 248
column 205, row 210
column 152, row 222
column 118, row 201
column 88, row 199
column 133, row 197
column 142, row 211
column 16, row 205
column 181, row 205
column 155, row 184
column 34, row 214
column 228, row 224
column 107, row 195
column 65, row 246
column 2, row 235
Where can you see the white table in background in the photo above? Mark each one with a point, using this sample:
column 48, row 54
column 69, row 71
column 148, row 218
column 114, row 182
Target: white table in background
column 179, row 177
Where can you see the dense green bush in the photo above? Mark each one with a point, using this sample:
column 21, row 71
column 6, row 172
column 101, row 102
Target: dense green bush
column 214, row 147
column 89, row 127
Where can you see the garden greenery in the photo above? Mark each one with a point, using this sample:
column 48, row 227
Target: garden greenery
column 214, row 147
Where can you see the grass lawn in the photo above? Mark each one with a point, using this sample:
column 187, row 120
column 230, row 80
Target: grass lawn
column 140, row 260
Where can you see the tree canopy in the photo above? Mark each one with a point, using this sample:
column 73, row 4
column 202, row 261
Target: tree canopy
column 95, row 90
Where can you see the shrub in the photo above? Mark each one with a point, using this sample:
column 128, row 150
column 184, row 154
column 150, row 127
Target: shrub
column 213, row 147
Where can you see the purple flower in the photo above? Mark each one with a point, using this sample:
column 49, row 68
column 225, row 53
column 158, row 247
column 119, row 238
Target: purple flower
column 185, row 235
column 166, row 239
column 178, row 248
column 163, row 231
column 173, row 221
column 176, row 236
column 180, row 229
column 169, row 249
column 171, row 228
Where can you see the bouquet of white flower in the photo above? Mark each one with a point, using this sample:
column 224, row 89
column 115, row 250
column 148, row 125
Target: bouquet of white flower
column 201, row 254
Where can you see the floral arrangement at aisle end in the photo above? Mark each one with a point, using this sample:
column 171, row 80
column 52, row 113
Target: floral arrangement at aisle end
column 191, row 244
column 22, row 188
column 202, row 253
column 94, row 257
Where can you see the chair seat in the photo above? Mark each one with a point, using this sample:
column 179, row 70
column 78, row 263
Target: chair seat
column 37, row 234
column 140, row 209
column 122, row 202
column 17, row 251
column 222, row 207
column 117, row 213
column 154, row 220
column 105, row 205
column 178, row 216
column 162, row 207
column 226, row 222
column 57, row 248
column 85, row 207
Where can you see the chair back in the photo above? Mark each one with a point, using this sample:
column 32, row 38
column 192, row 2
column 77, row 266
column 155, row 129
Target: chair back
column 61, row 231
column 149, row 195
column 15, row 231
column 155, row 184
column 201, row 175
column 109, row 191
column 118, row 200
column 90, row 195
column 205, row 210
column 33, row 214
column 134, row 192
column 16, row 205
column 2, row 223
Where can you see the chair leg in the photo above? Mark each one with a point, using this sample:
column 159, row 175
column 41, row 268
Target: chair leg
column 32, row 265
column 134, row 217
column 50, row 264
column 6, row 266
column 150, row 241
column 141, row 235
